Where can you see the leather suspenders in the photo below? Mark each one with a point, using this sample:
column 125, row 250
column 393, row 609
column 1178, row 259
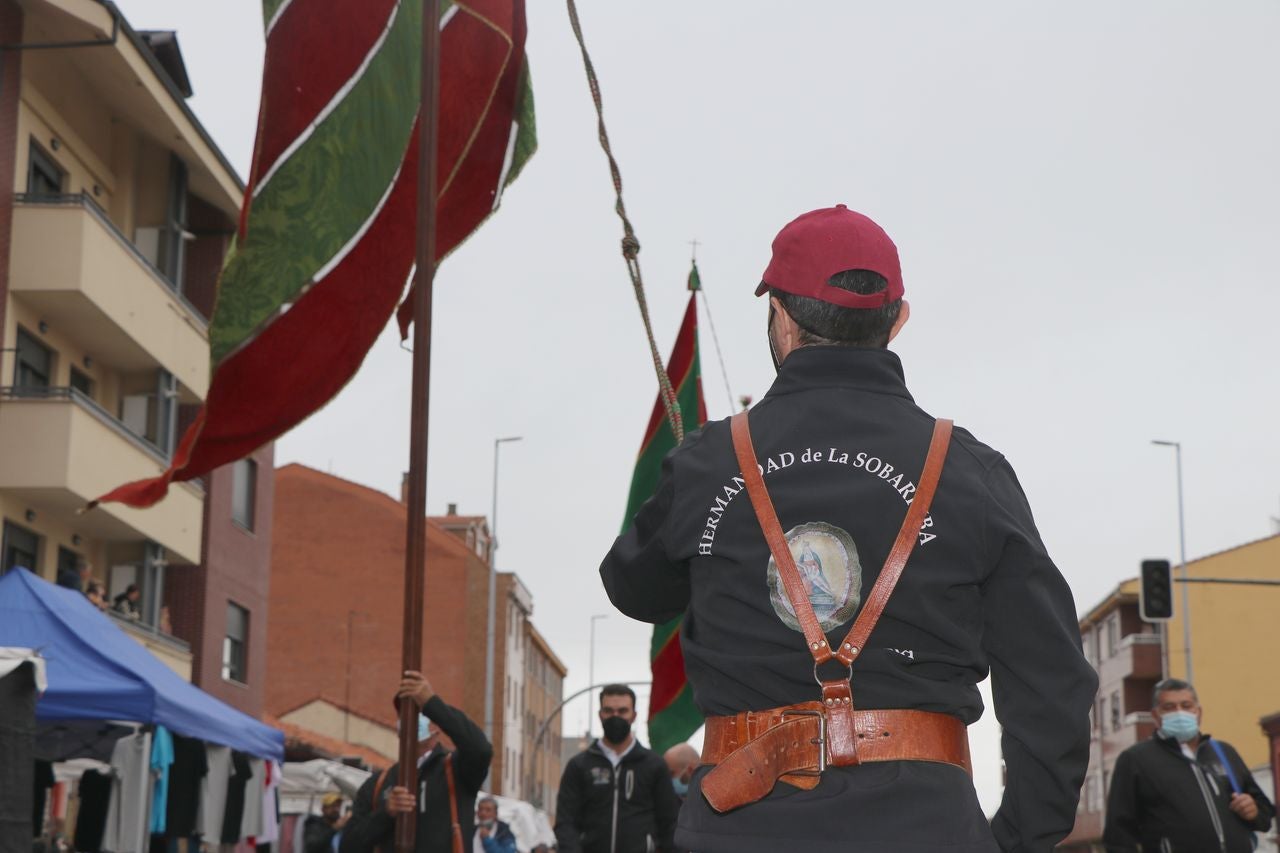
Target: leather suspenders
column 744, row 774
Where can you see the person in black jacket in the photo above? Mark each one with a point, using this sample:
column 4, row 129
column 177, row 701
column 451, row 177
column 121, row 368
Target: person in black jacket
column 372, row 823
column 616, row 796
column 1181, row 791
column 841, row 444
column 318, row 830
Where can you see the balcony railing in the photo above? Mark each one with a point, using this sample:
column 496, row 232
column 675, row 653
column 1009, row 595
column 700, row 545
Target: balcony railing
column 87, row 202
column 150, row 632
column 84, row 401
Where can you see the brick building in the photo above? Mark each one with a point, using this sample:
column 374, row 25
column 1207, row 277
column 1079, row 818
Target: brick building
column 116, row 210
column 336, row 610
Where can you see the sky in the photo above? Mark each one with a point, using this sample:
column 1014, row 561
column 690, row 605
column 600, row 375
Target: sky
column 1084, row 199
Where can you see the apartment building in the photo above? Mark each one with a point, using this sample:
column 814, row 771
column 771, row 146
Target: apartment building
column 1229, row 623
column 544, row 691
column 116, row 210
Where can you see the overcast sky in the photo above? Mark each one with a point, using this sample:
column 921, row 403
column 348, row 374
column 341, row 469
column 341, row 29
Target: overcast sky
column 1084, row 196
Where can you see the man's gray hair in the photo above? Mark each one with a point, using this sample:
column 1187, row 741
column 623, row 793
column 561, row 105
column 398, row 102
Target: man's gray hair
column 1170, row 685
column 480, row 802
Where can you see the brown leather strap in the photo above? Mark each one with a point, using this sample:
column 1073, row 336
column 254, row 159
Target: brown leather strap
column 377, row 788
column 754, row 749
column 908, row 534
column 453, row 804
column 777, row 540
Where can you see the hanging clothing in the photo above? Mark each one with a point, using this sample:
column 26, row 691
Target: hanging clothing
column 95, row 796
column 42, row 781
column 130, row 789
column 161, row 762
column 233, row 814
column 186, row 778
column 270, row 805
column 251, row 823
column 213, row 792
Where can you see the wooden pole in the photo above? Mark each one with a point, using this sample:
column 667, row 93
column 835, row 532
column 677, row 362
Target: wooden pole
column 416, row 536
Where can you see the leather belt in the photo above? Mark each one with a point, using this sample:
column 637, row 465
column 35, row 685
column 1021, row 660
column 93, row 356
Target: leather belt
column 754, row 749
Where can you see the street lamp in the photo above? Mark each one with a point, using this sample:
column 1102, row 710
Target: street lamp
column 493, row 593
column 1182, row 546
column 591, row 666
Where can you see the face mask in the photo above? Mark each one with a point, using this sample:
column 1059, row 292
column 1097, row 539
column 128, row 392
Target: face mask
column 681, row 786
column 616, row 729
column 488, row 824
column 1180, row 725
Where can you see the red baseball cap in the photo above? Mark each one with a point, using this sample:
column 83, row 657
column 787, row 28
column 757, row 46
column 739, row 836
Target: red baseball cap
column 816, row 245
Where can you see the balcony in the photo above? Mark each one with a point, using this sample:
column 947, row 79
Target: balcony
column 174, row 653
column 1141, row 655
column 63, row 450
column 85, row 278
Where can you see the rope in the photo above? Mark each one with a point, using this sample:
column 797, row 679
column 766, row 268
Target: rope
column 719, row 355
column 630, row 245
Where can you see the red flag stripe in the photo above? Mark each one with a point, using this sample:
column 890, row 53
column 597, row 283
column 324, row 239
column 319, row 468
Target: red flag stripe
column 678, row 368
column 311, row 88
column 482, row 139
column 668, row 675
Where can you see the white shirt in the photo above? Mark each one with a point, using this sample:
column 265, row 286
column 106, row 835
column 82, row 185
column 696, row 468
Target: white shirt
column 615, row 758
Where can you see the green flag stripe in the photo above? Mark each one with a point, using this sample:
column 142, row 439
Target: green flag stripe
column 662, row 634
column 649, row 466
column 311, row 208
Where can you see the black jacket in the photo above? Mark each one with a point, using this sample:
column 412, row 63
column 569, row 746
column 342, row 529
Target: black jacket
column 317, row 835
column 371, row 828
column 628, row 810
column 842, row 442
column 1160, row 797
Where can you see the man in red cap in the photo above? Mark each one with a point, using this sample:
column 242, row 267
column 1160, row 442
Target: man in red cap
column 848, row 569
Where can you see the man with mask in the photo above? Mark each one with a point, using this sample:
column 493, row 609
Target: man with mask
column 848, row 569
column 682, row 760
column 615, row 796
column 448, row 781
column 1183, row 791
column 492, row 835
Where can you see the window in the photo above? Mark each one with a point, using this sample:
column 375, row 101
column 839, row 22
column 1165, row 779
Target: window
column 44, row 177
column 1102, row 715
column 1113, row 634
column 34, row 365
column 1115, row 711
column 235, row 645
column 81, row 382
column 21, row 548
column 244, row 484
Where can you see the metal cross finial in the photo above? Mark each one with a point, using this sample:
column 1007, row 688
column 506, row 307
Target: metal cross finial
column 694, row 243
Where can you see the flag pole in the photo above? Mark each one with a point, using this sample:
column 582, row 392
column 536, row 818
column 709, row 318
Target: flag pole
column 416, row 529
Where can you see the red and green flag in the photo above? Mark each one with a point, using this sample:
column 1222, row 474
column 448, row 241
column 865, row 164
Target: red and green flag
column 672, row 714
column 327, row 230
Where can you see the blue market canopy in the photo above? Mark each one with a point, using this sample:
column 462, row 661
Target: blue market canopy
column 98, row 672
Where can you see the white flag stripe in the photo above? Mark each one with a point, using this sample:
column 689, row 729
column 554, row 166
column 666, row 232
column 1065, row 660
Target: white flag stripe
column 360, row 232
column 271, row 24
column 329, row 107
column 506, row 163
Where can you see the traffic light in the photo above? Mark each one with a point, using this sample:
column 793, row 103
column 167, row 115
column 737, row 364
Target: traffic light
column 1155, row 592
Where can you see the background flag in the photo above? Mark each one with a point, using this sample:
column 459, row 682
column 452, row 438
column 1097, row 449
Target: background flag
column 672, row 715
column 328, row 226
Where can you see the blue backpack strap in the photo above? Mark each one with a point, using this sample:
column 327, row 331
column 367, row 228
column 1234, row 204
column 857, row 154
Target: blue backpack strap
column 1226, row 765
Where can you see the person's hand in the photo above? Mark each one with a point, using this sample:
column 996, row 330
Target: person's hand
column 484, row 832
column 1244, row 806
column 342, row 821
column 414, row 685
column 400, row 801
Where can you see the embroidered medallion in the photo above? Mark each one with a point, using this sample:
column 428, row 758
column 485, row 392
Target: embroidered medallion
column 827, row 560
